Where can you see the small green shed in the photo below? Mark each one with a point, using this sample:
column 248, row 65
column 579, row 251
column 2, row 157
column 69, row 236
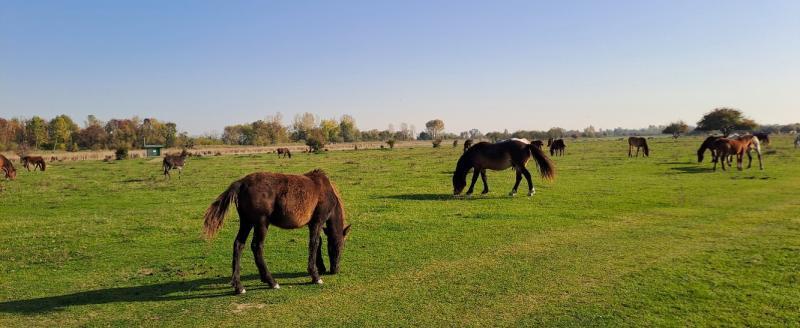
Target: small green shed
column 153, row 150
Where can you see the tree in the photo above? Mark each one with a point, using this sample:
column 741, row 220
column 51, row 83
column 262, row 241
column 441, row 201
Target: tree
column 36, row 131
column 434, row 128
column 330, row 128
column 347, row 129
column 302, row 125
column 726, row 120
column 676, row 129
column 556, row 133
column 590, row 132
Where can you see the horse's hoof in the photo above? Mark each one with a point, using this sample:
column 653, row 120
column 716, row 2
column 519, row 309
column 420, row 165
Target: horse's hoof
column 531, row 193
column 240, row 291
column 318, row 281
column 512, row 194
column 276, row 286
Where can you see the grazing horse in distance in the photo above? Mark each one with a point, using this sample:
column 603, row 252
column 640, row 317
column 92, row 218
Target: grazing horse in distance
column 707, row 144
column 467, row 144
column 174, row 162
column 557, row 147
column 500, row 156
column 797, row 141
column 763, row 137
column 639, row 143
column 284, row 151
column 9, row 172
column 36, row 161
column 288, row 202
column 740, row 146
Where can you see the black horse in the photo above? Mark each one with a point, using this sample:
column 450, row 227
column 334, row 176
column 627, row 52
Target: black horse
column 500, row 156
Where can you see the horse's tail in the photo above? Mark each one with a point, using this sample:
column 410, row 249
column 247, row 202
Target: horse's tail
column 546, row 167
column 215, row 214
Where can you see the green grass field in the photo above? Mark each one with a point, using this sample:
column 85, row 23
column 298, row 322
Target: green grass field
column 659, row 241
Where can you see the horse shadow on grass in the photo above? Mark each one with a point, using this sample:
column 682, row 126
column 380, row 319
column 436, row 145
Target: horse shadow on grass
column 692, row 169
column 211, row 288
column 443, row 197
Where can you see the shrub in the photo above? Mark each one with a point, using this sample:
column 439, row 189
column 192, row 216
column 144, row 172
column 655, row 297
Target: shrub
column 121, row 153
column 390, row 143
column 437, row 143
column 314, row 144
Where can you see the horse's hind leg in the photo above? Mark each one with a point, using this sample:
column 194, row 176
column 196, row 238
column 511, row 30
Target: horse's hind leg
column 516, row 184
column 527, row 175
column 257, row 246
column 485, row 184
column 749, row 159
column 238, row 246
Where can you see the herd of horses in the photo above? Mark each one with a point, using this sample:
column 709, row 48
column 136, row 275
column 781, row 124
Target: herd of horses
column 312, row 200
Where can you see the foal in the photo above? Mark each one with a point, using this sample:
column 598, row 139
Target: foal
column 288, row 202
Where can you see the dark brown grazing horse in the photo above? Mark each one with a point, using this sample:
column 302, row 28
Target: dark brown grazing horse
column 467, row 144
column 707, row 144
column 283, row 151
column 36, row 161
column 289, row 202
column 557, row 147
column 639, row 143
column 725, row 148
column 9, row 172
column 174, row 162
column 500, row 156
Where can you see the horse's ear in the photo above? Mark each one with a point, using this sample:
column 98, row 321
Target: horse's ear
column 346, row 230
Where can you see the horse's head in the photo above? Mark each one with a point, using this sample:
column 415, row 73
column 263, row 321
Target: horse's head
column 10, row 173
column 337, row 236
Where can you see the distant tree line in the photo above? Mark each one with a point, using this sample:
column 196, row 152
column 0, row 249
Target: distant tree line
column 63, row 133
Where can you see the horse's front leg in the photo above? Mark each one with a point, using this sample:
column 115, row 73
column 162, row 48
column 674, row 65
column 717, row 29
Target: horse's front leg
column 257, row 246
column 485, row 184
column 749, row 159
column 320, row 260
column 475, row 174
column 314, row 242
column 760, row 164
column 238, row 246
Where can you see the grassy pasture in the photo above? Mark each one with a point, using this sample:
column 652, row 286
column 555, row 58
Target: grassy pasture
column 661, row 241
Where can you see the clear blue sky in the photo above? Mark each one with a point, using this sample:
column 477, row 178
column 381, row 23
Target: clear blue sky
column 488, row 65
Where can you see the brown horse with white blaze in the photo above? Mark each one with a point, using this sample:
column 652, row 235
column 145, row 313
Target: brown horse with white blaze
column 288, row 202
column 9, row 172
column 497, row 157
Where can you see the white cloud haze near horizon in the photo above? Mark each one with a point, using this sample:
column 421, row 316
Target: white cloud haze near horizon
column 492, row 66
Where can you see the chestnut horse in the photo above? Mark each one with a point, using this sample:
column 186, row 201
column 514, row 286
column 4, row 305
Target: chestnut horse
column 497, row 157
column 288, row 202
column 283, row 151
column 639, row 143
column 740, row 146
column 9, row 172
column 36, row 161
column 174, row 162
